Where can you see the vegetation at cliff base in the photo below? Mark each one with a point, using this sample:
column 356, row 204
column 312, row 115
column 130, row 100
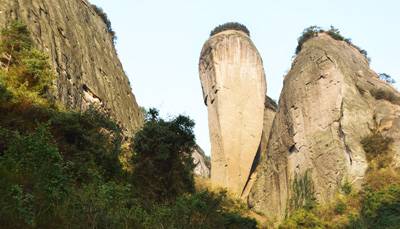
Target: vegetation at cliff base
column 333, row 32
column 61, row 169
column 376, row 205
column 230, row 26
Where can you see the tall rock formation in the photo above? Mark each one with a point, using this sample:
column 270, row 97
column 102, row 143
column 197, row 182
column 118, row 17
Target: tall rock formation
column 83, row 55
column 330, row 101
column 234, row 87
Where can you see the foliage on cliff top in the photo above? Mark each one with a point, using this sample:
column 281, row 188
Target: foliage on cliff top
column 230, row 26
column 103, row 15
column 333, row 32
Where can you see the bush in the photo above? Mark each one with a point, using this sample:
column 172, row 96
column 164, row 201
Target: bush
column 375, row 145
column 381, row 209
column 303, row 193
column 302, row 219
column 382, row 94
column 346, row 187
column 230, row 26
column 387, row 78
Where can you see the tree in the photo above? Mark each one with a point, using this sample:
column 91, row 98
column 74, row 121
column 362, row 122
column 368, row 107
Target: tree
column 163, row 167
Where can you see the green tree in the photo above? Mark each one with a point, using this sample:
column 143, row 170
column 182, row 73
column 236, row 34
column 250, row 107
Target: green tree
column 163, row 167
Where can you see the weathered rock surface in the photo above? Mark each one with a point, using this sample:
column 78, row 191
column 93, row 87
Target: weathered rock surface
column 234, row 87
column 329, row 103
column 201, row 163
column 83, row 55
column 269, row 115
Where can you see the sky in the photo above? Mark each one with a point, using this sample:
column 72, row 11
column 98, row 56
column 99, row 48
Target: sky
column 159, row 42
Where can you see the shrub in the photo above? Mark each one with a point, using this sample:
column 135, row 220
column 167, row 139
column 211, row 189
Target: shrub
column 303, row 193
column 375, row 145
column 99, row 11
column 302, row 219
column 381, row 209
column 230, row 26
column 202, row 210
column 27, row 74
column 346, row 187
column 333, row 32
column 382, row 94
column 307, row 34
column 387, row 78
column 340, row 207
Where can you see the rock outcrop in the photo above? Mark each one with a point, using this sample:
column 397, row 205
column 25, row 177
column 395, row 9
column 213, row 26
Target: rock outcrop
column 234, row 87
column 201, row 163
column 330, row 101
column 82, row 53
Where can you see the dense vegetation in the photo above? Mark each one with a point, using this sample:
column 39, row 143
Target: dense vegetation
column 230, row 26
column 61, row 169
column 313, row 31
column 99, row 11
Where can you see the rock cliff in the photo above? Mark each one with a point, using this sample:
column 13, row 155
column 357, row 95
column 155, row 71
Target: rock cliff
column 82, row 53
column 234, row 87
column 330, row 101
column 201, row 163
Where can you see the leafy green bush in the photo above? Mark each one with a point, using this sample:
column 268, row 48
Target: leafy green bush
column 230, row 26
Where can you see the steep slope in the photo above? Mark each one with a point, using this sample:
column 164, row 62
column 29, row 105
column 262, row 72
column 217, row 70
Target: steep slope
column 330, row 101
column 234, row 87
column 82, row 53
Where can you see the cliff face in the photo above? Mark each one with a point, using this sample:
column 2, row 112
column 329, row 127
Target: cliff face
column 201, row 163
column 330, row 101
column 82, row 53
column 234, row 87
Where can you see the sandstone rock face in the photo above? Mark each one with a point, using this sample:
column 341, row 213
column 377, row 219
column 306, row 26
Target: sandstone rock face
column 83, row 55
column 201, row 163
column 234, row 87
column 269, row 115
column 329, row 103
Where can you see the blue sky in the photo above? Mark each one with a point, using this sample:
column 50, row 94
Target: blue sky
column 159, row 42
